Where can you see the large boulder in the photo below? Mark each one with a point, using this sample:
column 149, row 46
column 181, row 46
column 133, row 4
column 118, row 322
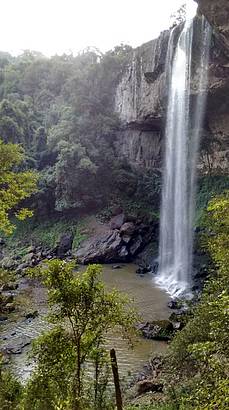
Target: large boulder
column 136, row 245
column 128, row 228
column 145, row 386
column 158, row 330
column 102, row 249
column 117, row 221
column 64, row 244
column 121, row 242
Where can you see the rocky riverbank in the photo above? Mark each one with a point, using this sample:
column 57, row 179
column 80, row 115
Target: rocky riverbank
column 119, row 240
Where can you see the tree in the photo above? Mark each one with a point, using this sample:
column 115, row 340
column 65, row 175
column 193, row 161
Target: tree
column 83, row 313
column 15, row 186
column 70, row 102
column 75, row 174
column 178, row 17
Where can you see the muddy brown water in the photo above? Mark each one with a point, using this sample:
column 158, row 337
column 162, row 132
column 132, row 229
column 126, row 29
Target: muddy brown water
column 150, row 302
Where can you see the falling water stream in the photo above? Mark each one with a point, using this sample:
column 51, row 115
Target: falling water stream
column 182, row 134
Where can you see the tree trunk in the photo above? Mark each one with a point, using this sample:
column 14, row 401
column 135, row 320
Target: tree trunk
column 114, row 367
column 77, row 382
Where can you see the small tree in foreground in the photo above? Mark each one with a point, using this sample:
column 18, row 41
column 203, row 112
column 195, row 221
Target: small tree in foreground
column 83, row 312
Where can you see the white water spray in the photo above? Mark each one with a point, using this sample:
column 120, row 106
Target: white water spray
column 177, row 209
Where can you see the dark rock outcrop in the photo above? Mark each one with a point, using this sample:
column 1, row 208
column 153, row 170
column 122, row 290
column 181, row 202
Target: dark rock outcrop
column 145, row 386
column 9, row 286
column 142, row 270
column 217, row 13
column 117, row 221
column 116, row 245
column 2, row 242
column 148, row 256
column 174, row 304
column 64, row 244
column 158, row 330
column 104, row 248
column 8, row 308
column 32, row 315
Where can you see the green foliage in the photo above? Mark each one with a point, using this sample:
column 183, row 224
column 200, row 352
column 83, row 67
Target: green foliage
column 216, row 239
column 10, row 391
column 14, row 186
column 45, row 233
column 199, row 353
column 208, row 188
column 62, row 110
column 179, row 16
column 17, row 123
column 83, row 312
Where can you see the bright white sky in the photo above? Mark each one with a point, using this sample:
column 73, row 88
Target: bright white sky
column 57, row 26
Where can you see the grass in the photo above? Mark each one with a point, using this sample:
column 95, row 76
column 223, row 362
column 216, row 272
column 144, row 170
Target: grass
column 44, row 233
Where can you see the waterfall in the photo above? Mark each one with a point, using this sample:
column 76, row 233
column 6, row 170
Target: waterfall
column 183, row 125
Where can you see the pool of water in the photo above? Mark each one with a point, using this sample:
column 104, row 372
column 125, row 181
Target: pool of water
column 150, row 302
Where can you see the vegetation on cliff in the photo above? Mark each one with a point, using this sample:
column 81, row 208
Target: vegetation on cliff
column 61, row 111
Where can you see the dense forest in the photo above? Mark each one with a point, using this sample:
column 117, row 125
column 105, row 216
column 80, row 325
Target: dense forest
column 61, row 111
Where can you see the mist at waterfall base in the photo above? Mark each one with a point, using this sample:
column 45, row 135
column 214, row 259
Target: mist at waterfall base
column 182, row 135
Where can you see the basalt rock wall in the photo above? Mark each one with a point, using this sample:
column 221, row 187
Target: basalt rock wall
column 140, row 104
column 141, row 96
column 217, row 13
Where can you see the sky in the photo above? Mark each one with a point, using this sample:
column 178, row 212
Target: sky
column 58, row 26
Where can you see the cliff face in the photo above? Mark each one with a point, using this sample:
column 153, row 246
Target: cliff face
column 140, row 104
column 139, row 98
column 217, row 14
column 142, row 93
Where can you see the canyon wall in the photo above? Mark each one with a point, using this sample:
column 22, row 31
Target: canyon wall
column 141, row 97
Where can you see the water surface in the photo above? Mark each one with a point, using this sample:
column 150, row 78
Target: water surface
column 150, row 302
